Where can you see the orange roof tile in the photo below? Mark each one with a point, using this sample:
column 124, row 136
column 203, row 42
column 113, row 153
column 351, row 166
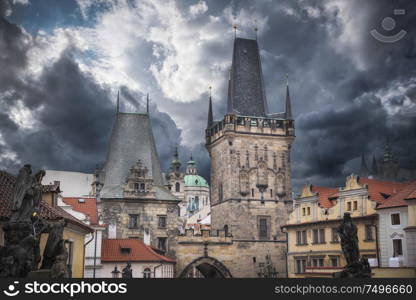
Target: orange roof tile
column 88, row 207
column 412, row 195
column 324, row 193
column 376, row 188
column 398, row 199
column 139, row 251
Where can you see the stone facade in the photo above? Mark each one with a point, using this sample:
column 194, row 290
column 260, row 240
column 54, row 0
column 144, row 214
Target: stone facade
column 231, row 258
column 117, row 215
column 250, row 174
column 251, row 191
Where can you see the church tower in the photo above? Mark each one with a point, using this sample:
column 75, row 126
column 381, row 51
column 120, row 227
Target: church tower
column 251, row 192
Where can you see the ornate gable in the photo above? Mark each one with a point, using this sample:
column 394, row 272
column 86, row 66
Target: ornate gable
column 138, row 182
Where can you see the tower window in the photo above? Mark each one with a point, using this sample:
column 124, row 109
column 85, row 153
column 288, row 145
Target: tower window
column 271, row 193
column 177, row 187
column 133, row 221
column 252, row 192
column 263, row 228
column 162, row 222
column 161, row 243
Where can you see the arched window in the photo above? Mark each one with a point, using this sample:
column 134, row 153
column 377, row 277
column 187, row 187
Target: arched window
column 197, row 202
column 177, row 187
column 147, row 273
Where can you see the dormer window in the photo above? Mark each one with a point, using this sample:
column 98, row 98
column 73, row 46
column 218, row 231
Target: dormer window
column 125, row 250
column 81, row 200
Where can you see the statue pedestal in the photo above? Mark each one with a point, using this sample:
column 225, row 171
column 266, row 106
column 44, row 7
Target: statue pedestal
column 40, row 274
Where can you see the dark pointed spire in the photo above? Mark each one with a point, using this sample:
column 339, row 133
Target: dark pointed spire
column 374, row 167
column 176, row 163
column 388, row 155
column 364, row 172
column 288, row 109
column 246, row 94
column 147, row 103
column 235, row 28
column 210, row 115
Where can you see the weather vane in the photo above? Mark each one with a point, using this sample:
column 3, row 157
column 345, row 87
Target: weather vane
column 235, row 27
column 255, row 28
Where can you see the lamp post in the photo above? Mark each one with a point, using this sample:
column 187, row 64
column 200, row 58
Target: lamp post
column 115, row 273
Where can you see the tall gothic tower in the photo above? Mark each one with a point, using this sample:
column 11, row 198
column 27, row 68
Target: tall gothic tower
column 250, row 155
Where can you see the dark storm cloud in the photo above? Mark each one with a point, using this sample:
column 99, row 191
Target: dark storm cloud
column 4, row 8
column 74, row 115
column 335, row 87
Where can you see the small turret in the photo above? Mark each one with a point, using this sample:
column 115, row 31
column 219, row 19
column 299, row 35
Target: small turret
column 288, row 105
column 210, row 116
column 191, row 167
column 176, row 163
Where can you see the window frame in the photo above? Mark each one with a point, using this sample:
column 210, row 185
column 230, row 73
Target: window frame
column 392, row 215
column 368, row 230
column 159, row 240
column 395, row 254
column 159, row 218
column 147, row 273
column 300, row 261
column 334, row 235
column 130, row 226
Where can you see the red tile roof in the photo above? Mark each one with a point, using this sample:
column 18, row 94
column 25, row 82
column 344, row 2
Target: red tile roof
column 398, row 199
column 50, row 188
column 324, row 195
column 46, row 211
column 376, row 188
column 88, row 207
column 412, row 195
column 139, row 251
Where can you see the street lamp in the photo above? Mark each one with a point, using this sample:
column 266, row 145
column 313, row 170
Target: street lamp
column 115, row 272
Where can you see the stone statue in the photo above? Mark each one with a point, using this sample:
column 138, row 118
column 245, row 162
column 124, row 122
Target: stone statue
column 59, row 267
column 127, row 271
column 356, row 267
column 349, row 240
column 19, row 255
column 27, row 195
column 52, row 248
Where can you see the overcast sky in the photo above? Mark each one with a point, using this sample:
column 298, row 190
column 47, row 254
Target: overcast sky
column 62, row 62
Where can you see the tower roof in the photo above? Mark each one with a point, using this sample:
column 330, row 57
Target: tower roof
column 246, row 94
column 288, row 105
column 364, row 172
column 132, row 139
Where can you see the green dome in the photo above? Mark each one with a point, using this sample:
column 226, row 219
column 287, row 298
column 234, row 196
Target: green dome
column 195, row 180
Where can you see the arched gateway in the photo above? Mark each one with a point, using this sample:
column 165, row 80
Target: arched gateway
column 207, row 267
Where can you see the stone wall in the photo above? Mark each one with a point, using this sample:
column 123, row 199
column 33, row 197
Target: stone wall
column 251, row 177
column 242, row 259
column 117, row 212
